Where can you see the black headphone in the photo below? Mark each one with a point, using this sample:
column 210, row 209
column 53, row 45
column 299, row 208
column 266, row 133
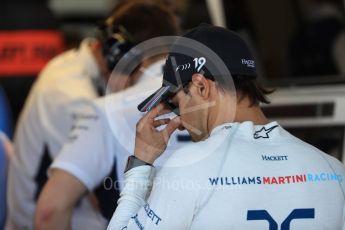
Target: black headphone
column 116, row 42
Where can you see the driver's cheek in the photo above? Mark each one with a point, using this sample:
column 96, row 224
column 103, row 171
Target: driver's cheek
column 185, row 106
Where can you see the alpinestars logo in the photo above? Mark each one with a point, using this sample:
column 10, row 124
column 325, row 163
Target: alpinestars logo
column 263, row 132
column 248, row 63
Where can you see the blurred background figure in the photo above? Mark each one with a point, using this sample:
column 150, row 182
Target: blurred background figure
column 29, row 38
column 94, row 159
column 76, row 75
column 5, row 152
column 318, row 45
column 56, row 101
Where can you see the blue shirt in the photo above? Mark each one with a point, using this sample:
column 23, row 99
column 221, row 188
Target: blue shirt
column 5, row 117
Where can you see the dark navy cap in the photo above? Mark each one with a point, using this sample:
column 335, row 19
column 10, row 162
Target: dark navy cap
column 180, row 66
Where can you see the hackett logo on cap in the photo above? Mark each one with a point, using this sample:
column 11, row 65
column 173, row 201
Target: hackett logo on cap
column 248, row 63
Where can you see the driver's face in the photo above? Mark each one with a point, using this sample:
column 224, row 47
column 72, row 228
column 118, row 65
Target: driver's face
column 192, row 114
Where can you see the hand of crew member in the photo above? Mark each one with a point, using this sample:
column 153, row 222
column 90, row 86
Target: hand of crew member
column 149, row 142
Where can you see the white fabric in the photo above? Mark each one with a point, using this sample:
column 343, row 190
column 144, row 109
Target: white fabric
column 138, row 182
column 245, row 177
column 61, row 90
column 109, row 133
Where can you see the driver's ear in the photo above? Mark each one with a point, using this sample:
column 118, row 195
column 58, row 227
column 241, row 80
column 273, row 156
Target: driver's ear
column 202, row 85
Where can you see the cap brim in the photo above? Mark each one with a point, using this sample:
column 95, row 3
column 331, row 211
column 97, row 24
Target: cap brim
column 154, row 99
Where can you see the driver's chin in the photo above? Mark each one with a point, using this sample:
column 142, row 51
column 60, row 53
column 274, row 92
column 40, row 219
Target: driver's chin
column 193, row 129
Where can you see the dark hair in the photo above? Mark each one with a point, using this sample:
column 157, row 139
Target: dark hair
column 143, row 19
column 251, row 88
column 246, row 87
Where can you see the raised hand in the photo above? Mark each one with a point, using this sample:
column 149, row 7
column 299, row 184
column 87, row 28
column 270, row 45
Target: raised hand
column 149, row 142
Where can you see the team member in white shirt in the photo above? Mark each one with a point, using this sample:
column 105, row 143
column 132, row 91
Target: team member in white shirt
column 95, row 144
column 88, row 156
column 97, row 147
column 242, row 172
column 43, row 126
column 63, row 89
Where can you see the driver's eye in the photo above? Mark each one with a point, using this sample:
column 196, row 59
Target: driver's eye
column 173, row 106
column 170, row 101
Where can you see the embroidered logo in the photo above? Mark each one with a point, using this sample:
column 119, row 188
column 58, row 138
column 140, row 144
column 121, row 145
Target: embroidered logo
column 263, row 132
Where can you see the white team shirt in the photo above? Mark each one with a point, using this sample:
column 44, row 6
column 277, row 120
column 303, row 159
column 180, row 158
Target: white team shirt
column 62, row 88
column 243, row 176
column 107, row 135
